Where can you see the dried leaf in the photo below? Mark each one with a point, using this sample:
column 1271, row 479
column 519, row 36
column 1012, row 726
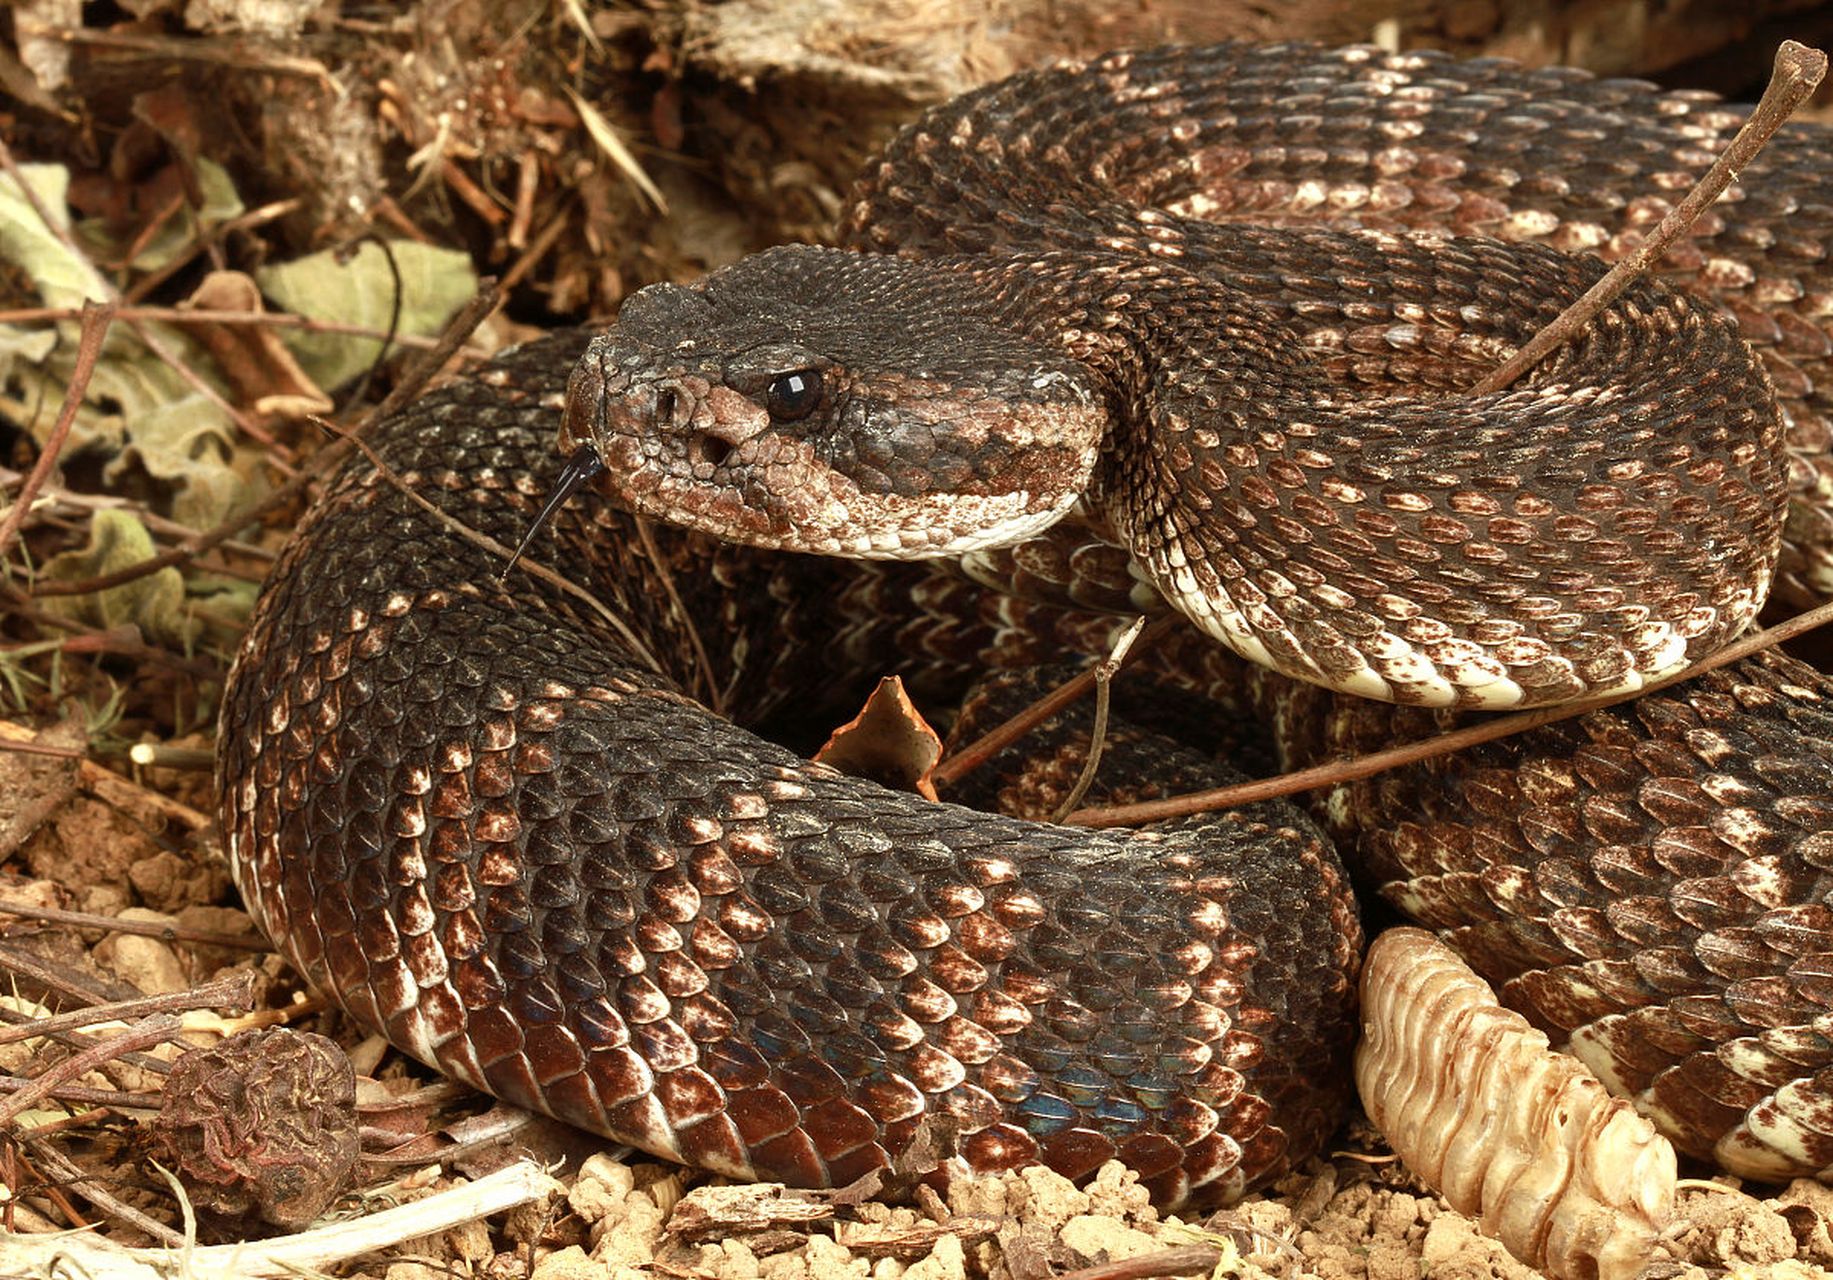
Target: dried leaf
column 888, row 742
column 253, row 357
column 60, row 275
column 36, row 25
column 361, row 290
column 138, row 409
column 176, row 234
column 155, row 603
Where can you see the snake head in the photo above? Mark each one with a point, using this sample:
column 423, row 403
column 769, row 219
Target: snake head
column 811, row 399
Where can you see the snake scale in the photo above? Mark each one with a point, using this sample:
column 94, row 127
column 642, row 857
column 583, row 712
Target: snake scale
column 487, row 817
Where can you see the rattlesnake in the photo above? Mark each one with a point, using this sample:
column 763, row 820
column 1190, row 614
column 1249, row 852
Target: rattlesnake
column 485, row 819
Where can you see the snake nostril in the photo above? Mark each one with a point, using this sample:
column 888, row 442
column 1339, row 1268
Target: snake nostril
column 665, row 407
column 708, row 449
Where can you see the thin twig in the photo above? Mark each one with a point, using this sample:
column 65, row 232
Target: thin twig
column 281, row 457
column 42, row 749
column 76, row 1120
column 155, row 1030
column 990, row 744
column 80, row 1040
column 205, row 236
column 235, row 992
column 156, row 755
column 310, row 1252
column 1798, row 70
column 457, row 331
column 227, row 52
column 180, row 316
column 111, row 788
column 96, row 318
column 140, row 928
column 152, row 224
column 703, row 674
column 63, row 981
column 124, row 639
column 155, row 523
column 360, row 392
column 193, row 547
column 538, row 247
column 90, row 1188
column 392, row 1149
column 1366, row 766
column 52, row 1192
column 84, row 1095
column 1105, row 671
column 30, row 193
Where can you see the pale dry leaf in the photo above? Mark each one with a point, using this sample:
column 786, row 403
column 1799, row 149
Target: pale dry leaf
column 154, row 603
column 253, row 358
column 362, row 289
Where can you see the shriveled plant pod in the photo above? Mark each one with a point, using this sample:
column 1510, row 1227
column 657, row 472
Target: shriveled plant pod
column 1522, row 1138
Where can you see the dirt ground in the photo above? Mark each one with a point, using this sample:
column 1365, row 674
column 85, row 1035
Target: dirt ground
column 349, row 172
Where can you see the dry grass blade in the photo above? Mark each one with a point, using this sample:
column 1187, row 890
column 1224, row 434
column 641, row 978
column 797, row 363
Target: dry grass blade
column 605, row 134
column 287, row 1256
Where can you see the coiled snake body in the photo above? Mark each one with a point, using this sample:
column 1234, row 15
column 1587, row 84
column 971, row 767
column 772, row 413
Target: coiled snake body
column 486, row 819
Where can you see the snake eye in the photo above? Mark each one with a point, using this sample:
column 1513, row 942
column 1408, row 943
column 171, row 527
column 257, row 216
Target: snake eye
column 794, row 395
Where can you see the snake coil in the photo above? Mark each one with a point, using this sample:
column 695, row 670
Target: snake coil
column 488, row 819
